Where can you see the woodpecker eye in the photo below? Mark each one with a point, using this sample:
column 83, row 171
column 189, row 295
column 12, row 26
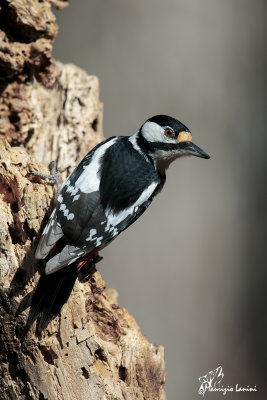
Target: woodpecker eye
column 168, row 132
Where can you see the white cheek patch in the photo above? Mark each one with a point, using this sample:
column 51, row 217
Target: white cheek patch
column 153, row 132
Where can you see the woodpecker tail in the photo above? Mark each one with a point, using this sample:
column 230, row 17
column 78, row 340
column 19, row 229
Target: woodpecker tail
column 51, row 293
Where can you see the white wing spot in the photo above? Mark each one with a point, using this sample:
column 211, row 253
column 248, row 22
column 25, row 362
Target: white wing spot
column 62, row 207
column 66, row 212
column 99, row 241
column 108, row 228
column 115, row 232
column 72, row 190
column 91, row 237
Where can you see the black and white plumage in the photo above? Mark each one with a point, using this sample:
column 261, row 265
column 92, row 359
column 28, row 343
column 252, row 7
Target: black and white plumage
column 109, row 190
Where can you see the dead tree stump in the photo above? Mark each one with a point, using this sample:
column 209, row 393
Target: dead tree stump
column 49, row 111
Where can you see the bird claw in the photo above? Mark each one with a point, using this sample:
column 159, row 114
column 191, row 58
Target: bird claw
column 54, row 177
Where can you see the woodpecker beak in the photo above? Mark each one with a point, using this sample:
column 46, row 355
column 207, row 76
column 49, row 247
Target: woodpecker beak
column 195, row 150
column 185, row 141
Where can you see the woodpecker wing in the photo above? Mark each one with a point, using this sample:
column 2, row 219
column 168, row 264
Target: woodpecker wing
column 77, row 201
column 50, row 236
column 106, row 193
column 128, row 184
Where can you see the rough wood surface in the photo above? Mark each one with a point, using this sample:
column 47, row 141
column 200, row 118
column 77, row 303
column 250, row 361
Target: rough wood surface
column 49, row 111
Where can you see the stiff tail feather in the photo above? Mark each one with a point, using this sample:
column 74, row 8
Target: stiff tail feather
column 51, row 293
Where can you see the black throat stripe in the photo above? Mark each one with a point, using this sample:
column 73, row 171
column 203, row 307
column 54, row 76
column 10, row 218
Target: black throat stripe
column 152, row 147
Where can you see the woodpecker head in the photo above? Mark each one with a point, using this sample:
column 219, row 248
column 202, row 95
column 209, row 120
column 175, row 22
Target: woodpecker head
column 165, row 139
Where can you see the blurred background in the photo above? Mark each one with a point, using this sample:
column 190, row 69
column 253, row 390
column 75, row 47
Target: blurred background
column 192, row 270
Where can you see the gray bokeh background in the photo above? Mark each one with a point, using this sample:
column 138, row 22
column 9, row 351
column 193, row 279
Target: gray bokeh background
column 192, row 270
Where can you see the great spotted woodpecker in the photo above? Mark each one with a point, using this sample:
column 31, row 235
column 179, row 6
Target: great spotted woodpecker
column 109, row 190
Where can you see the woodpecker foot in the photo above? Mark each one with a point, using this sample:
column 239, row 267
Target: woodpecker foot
column 53, row 177
column 89, row 268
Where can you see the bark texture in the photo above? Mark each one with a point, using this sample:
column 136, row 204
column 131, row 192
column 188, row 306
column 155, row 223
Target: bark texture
column 51, row 112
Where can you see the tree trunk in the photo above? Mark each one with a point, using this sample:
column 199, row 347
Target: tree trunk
column 51, row 112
